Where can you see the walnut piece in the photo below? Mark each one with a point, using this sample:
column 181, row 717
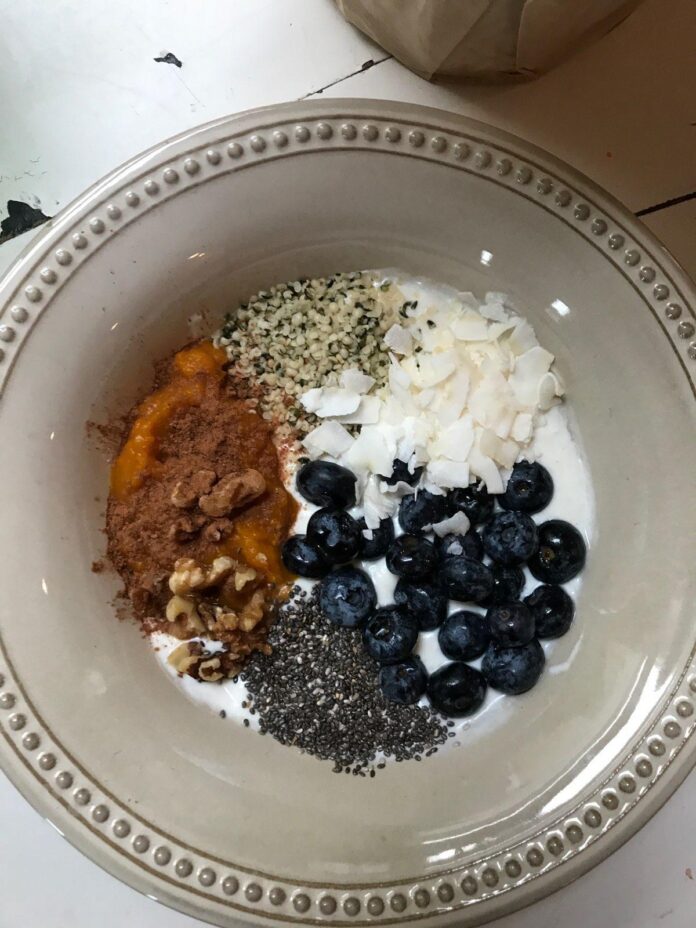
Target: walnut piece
column 186, row 492
column 189, row 575
column 186, row 656
column 232, row 492
column 185, row 527
column 218, row 530
column 209, row 670
column 243, row 576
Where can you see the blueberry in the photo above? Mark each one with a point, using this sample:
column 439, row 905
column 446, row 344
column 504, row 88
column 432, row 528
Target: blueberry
column 511, row 624
column 418, row 512
column 508, row 583
column 411, row 556
column 470, row 545
column 552, row 609
column 561, row 553
column 326, row 484
column 335, row 533
column 510, row 538
column 382, row 537
column 347, row 597
column 513, row 670
column 304, row 558
column 464, row 635
column 401, row 474
column 456, row 689
column 404, row 682
column 465, row 579
column 474, row 501
column 529, row 488
column 391, row 634
column 426, row 600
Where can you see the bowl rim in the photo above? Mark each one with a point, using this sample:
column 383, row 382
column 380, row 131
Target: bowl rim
column 177, row 162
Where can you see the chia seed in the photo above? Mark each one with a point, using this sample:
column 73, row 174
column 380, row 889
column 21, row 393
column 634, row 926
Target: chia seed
column 318, row 688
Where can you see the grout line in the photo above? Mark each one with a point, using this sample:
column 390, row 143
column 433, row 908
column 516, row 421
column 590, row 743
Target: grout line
column 675, row 201
column 364, row 67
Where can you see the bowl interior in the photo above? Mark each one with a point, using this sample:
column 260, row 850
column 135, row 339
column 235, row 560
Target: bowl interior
column 216, row 786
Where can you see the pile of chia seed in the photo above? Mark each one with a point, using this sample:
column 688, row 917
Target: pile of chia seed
column 318, row 690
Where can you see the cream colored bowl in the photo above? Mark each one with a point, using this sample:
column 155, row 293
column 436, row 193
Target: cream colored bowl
column 209, row 817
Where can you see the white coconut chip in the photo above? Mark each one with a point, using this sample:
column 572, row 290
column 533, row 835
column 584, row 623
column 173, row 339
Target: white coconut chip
column 355, row 380
column 458, row 524
column 328, row 438
column 328, row 402
column 367, row 413
column 448, row 474
column 399, row 340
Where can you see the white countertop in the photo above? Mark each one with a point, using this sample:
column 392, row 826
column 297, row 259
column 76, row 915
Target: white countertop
column 80, row 92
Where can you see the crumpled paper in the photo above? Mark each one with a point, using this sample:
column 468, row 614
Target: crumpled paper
column 490, row 39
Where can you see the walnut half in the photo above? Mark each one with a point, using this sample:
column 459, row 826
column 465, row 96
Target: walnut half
column 232, row 492
column 189, row 575
column 186, row 492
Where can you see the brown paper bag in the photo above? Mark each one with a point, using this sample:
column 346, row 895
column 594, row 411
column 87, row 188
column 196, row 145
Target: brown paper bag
column 491, row 39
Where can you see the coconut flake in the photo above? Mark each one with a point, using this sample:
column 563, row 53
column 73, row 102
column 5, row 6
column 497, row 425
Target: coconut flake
column 485, row 468
column 376, row 506
column 399, row 340
column 449, row 474
column 470, row 326
column 328, row 402
column 522, row 427
column 372, row 452
column 454, row 442
column 522, row 338
column 458, row 524
column 328, row 438
column 525, row 380
column 367, row 413
column 355, row 380
column 494, row 309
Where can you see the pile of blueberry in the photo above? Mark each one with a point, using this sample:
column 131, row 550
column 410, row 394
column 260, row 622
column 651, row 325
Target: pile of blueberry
column 484, row 567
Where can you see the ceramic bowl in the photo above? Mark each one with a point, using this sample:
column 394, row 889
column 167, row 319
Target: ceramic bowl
column 213, row 819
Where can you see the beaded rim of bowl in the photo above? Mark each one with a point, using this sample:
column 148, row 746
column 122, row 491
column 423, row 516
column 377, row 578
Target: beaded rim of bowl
column 288, row 131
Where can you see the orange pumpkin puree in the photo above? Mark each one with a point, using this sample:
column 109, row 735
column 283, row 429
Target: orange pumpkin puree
column 190, row 423
column 138, row 457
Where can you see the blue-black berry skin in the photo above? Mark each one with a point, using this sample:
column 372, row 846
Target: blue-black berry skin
column 464, row 635
column 511, row 624
column 510, row 538
column 373, row 548
column 401, row 474
column 553, row 610
column 465, row 579
column 390, row 634
column 326, row 484
column 336, row 534
column 508, row 583
column 456, row 689
column 421, row 510
column 411, row 556
column 529, row 488
column 560, row 554
column 426, row 599
column 304, row 558
column 347, row 597
column 470, row 545
column 474, row 501
column 405, row 682
column 513, row 670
